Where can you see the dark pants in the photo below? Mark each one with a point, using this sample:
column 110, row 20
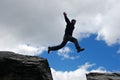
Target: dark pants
column 65, row 40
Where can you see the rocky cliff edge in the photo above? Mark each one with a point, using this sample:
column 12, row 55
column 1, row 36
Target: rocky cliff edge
column 103, row 76
column 20, row 67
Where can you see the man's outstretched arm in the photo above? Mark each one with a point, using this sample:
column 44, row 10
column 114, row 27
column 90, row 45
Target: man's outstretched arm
column 66, row 18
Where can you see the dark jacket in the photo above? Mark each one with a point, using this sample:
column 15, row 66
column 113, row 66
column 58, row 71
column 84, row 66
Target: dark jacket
column 69, row 27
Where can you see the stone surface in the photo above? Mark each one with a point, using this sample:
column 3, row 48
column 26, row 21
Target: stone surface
column 103, row 76
column 20, row 67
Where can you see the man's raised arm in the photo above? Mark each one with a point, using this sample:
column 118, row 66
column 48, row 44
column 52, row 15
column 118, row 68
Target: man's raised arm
column 66, row 18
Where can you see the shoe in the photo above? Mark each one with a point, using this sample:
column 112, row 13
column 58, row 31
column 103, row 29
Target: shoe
column 80, row 49
column 49, row 50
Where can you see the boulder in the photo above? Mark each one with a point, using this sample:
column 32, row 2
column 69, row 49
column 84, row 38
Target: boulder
column 22, row 67
column 103, row 76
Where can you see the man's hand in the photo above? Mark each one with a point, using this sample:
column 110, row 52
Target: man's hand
column 66, row 18
column 64, row 13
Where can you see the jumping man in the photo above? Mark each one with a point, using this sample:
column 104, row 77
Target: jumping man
column 67, row 36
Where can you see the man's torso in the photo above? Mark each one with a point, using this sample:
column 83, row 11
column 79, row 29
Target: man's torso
column 69, row 29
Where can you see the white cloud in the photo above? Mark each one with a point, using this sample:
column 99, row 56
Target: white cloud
column 28, row 49
column 41, row 23
column 110, row 28
column 77, row 74
column 65, row 53
column 100, row 70
column 118, row 51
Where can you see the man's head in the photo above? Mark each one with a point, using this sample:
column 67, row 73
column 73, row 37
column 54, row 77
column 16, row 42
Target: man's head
column 73, row 21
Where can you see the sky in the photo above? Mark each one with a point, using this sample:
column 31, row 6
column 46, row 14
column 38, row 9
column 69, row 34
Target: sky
column 28, row 27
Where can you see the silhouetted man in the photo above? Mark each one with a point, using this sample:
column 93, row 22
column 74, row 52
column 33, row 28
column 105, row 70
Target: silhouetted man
column 67, row 36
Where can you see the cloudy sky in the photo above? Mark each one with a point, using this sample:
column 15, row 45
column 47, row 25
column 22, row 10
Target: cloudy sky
column 29, row 26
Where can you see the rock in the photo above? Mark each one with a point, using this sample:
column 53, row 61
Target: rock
column 20, row 67
column 103, row 76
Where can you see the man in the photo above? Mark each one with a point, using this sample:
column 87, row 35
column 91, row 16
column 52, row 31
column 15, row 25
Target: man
column 67, row 36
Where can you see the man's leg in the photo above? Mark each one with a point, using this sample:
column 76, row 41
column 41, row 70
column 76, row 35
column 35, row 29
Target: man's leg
column 75, row 41
column 53, row 48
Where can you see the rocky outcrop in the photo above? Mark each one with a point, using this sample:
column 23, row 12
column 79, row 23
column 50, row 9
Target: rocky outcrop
column 103, row 76
column 20, row 67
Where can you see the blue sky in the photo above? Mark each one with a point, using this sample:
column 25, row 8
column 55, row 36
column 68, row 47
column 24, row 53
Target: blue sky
column 28, row 27
column 97, row 52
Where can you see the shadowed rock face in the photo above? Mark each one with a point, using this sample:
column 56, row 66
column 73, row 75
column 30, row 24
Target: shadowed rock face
column 103, row 76
column 19, row 67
